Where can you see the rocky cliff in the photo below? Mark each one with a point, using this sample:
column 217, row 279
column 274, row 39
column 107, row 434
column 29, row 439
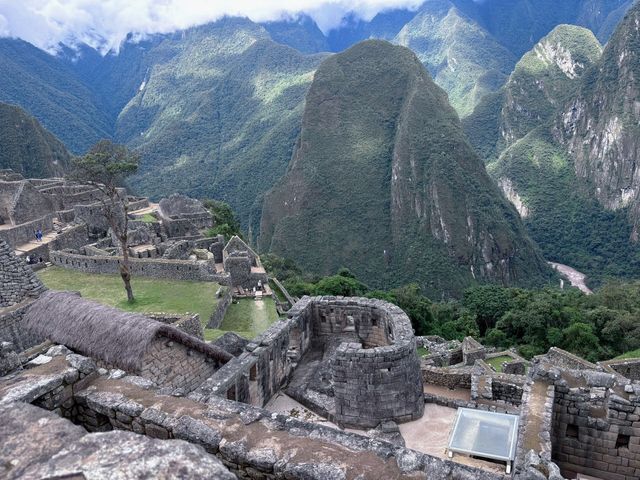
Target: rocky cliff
column 383, row 182
column 600, row 127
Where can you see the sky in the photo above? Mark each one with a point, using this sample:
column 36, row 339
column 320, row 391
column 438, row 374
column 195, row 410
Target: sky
column 104, row 24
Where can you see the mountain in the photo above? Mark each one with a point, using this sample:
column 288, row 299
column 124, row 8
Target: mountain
column 544, row 146
column 600, row 127
column 520, row 24
column 27, row 148
column 301, row 33
column 383, row 182
column 542, row 82
column 383, row 26
column 462, row 57
column 217, row 114
column 50, row 91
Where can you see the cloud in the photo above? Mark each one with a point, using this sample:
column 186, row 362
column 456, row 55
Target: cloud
column 104, row 24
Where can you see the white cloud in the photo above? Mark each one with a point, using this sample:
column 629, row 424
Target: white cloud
column 104, row 24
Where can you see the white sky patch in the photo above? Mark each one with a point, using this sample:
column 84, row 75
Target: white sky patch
column 104, row 24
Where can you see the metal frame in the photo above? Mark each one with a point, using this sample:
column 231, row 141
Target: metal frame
column 514, row 434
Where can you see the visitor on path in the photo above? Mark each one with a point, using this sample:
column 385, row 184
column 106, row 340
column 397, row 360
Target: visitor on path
column 39, row 235
column 35, row 234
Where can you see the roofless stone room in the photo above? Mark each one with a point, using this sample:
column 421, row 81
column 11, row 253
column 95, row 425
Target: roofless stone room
column 320, row 240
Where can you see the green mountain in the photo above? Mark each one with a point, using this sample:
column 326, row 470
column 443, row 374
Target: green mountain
column 600, row 127
column 218, row 114
column 383, row 182
column 301, row 33
column 27, row 148
column 50, row 91
column 544, row 147
column 462, row 57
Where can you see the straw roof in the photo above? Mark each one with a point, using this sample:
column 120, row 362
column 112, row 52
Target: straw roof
column 111, row 335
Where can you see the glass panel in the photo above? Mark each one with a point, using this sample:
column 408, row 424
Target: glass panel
column 485, row 434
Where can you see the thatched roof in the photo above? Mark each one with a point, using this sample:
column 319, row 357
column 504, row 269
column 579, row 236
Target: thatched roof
column 111, row 335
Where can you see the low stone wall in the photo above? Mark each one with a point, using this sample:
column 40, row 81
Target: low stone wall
column 189, row 323
column 21, row 234
column 629, row 368
column 66, row 216
column 143, row 267
column 444, row 377
column 563, row 359
column 138, row 204
column 221, row 309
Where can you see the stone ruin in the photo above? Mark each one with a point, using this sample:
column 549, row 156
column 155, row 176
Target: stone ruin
column 352, row 361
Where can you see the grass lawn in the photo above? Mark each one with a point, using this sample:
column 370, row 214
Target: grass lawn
column 148, row 218
column 152, row 295
column 248, row 318
column 632, row 354
column 422, row 352
column 497, row 362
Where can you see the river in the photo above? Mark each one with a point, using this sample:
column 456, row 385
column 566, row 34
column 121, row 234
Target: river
column 576, row 278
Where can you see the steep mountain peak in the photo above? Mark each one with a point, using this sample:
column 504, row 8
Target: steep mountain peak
column 545, row 78
column 601, row 126
column 383, row 182
column 462, row 57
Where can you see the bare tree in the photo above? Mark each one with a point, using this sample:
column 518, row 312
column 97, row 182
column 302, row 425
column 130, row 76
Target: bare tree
column 105, row 167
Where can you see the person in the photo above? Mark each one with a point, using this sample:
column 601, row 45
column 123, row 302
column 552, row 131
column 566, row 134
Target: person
column 28, row 260
column 35, row 234
column 39, row 235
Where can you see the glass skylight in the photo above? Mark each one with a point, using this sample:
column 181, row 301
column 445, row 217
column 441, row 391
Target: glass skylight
column 485, row 434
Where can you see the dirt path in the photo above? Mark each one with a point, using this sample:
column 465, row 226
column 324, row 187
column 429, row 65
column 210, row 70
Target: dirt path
column 575, row 277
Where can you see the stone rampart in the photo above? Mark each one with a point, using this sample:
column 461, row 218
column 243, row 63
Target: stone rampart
column 144, row 267
column 444, row 377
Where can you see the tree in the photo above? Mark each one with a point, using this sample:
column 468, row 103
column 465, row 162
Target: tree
column 105, row 167
column 225, row 220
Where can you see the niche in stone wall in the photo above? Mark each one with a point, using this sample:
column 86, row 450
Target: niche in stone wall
column 622, row 441
column 572, row 431
column 231, row 393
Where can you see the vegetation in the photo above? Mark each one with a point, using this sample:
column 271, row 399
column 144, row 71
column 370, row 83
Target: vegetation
column 246, row 317
column 462, row 57
column 106, row 166
column 27, row 148
column 596, row 327
column 496, row 362
column 152, row 295
column 225, row 220
column 389, row 187
column 48, row 89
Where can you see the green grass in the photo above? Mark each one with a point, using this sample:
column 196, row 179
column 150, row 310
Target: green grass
column 148, row 218
column 497, row 362
column 422, row 352
column 631, row 354
column 248, row 318
column 152, row 295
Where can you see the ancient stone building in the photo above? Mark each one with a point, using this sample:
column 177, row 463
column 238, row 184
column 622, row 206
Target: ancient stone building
column 134, row 343
column 19, row 287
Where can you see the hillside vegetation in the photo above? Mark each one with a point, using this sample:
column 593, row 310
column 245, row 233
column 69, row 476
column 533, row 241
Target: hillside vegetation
column 383, row 182
column 27, row 148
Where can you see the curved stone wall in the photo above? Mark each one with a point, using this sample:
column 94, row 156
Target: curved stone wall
column 376, row 377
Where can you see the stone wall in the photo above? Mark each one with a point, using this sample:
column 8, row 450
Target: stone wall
column 450, row 378
column 189, row 323
column 628, row 368
column 172, row 365
column 221, row 309
column 17, row 280
column 563, row 359
column 143, row 267
column 472, row 350
column 596, row 422
column 21, row 234
column 92, row 215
